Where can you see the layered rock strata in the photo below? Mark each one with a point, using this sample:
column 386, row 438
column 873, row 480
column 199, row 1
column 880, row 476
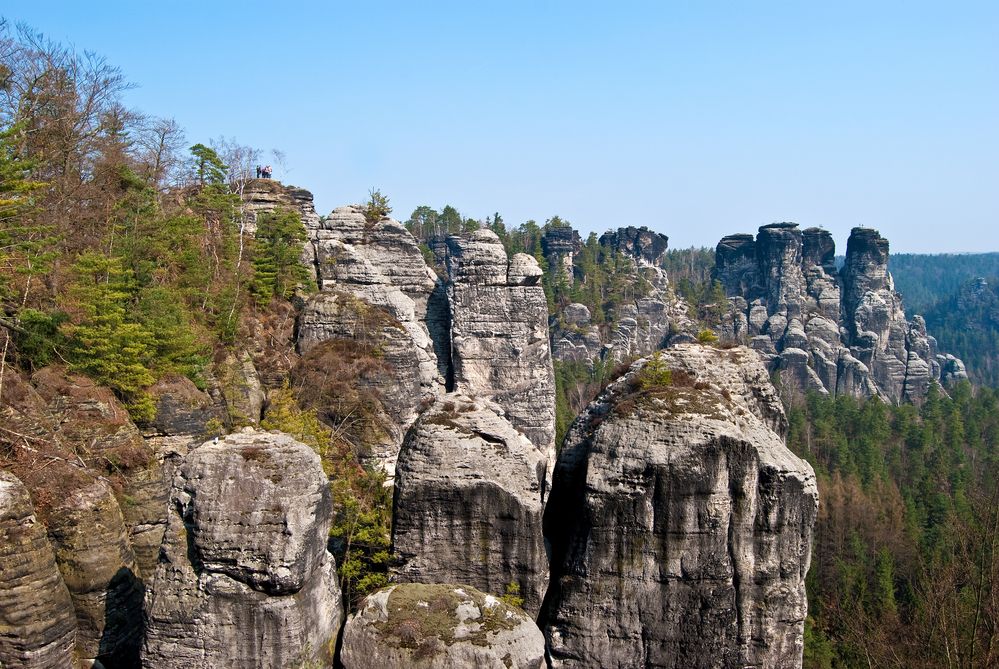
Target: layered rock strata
column 244, row 578
column 499, row 332
column 469, row 498
column 37, row 624
column 826, row 330
column 680, row 523
column 92, row 548
column 440, row 627
column 560, row 246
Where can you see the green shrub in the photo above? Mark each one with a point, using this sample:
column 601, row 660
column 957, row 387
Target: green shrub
column 654, row 373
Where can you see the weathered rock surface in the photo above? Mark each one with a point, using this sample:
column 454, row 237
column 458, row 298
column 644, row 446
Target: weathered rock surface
column 469, row 498
column 559, row 246
column 822, row 329
column 654, row 318
column 644, row 245
column 440, row 627
column 380, row 265
column 92, row 548
column 267, row 195
column 241, row 390
column 37, row 625
column 499, row 333
column 680, row 523
column 244, row 579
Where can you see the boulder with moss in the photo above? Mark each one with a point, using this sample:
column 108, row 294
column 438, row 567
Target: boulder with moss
column 469, row 498
column 244, row 578
column 680, row 523
column 440, row 626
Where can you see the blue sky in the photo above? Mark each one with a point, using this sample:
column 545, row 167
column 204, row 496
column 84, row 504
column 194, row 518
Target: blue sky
column 696, row 119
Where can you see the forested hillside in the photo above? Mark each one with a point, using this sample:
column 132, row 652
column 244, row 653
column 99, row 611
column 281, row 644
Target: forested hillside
column 957, row 296
column 905, row 568
column 926, row 279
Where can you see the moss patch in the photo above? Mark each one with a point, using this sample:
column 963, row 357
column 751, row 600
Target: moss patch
column 424, row 618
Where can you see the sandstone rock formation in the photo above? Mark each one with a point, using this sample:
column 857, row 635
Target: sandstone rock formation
column 244, row 578
column 469, row 497
column 380, row 266
column 559, row 246
column 499, row 332
column 267, row 195
column 655, row 317
column 91, row 545
column 440, row 627
column 37, row 624
column 680, row 523
column 826, row 330
column 646, row 246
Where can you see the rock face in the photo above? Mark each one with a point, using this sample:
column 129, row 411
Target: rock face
column 267, row 195
column 680, row 523
column 499, row 332
column 560, row 245
column 244, row 578
column 826, row 330
column 37, row 625
column 655, row 318
column 95, row 556
column 440, row 627
column 469, row 498
column 643, row 244
column 380, row 264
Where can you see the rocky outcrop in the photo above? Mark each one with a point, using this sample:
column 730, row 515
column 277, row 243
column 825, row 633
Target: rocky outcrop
column 92, row 548
column 440, row 627
column 267, row 195
column 37, row 625
column 680, row 523
column 244, row 578
column 642, row 244
column 499, row 332
column 380, row 265
column 559, row 246
column 654, row 317
column 821, row 329
column 469, row 497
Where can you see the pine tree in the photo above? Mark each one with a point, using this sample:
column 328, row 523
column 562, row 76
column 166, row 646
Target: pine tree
column 277, row 256
column 104, row 344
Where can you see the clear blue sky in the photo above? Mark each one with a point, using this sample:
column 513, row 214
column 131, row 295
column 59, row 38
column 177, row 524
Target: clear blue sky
column 695, row 118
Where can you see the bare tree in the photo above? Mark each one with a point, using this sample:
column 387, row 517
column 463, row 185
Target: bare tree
column 160, row 143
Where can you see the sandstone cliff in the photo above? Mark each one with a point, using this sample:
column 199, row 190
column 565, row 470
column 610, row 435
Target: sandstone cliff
column 653, row 317
column 499, row 332
column 680, row 524
column 37, row 625
column 244, row 578
column 469, row 497
column 823, row 329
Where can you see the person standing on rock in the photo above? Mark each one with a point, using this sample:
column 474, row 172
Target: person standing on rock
column 259, row 170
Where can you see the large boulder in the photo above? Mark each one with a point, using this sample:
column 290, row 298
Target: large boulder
column 469, row 498
column 680, row 523
column 440, row 627
column 244, row 578
column 37, row 624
